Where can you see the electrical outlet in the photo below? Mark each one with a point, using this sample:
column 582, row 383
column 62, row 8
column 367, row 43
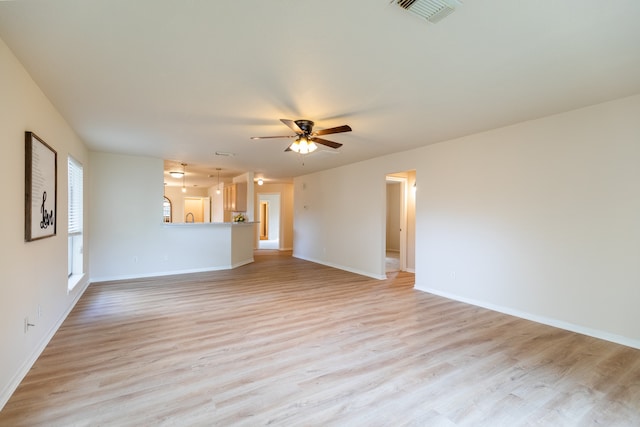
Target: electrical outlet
column 39, row 311
column 135, row 259
column 27, row 325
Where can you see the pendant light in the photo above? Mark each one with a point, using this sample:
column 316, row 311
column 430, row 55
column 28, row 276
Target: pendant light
column 184, row 187
column 218, row 185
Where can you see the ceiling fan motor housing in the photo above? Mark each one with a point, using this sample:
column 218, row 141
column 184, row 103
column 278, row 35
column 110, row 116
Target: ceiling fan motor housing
column 305, row 125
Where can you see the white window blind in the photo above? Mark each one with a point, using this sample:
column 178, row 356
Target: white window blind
column 75, row 197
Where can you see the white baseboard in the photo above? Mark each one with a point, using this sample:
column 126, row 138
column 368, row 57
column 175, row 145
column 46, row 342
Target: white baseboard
column 172, row 272
column 595, row 333
column 166, row 273
column 341, row 267
column 22, row 372
column 243, row 262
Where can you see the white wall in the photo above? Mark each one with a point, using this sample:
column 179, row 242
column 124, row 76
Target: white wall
column 539, row 219
column 411, row 221
column 130, row 239
column 340, row 217
column 125, row 215
column 34, row 273
column 217, row 204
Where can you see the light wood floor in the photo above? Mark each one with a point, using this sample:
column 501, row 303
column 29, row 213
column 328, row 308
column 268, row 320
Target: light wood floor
column 286, row 342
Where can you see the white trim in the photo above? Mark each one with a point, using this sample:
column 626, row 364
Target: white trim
column 595, row 333
column 169, row 273
column 73, row 280
column 22, row 372
column 160, row 274
column 243, row 262
column 403, row 181
column 341, row 267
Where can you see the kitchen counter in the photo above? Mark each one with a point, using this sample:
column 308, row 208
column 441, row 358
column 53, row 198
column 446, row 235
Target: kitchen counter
column 211, row 245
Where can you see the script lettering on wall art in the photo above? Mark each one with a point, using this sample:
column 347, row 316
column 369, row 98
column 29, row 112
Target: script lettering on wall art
column 47, row 216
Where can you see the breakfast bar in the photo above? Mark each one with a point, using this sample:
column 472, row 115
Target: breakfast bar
column 210, row 245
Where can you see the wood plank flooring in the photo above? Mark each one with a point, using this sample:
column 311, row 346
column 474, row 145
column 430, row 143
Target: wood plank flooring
column 287, row 342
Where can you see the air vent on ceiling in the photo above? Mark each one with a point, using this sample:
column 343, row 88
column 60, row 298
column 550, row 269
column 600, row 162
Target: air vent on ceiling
column 431, row 10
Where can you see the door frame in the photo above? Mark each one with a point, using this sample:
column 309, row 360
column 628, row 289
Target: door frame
column 278, row 219
column 403, row 218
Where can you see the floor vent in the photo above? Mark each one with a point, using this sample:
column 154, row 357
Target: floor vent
column 431, row 10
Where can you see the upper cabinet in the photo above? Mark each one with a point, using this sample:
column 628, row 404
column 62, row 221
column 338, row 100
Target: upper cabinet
column 235, row 197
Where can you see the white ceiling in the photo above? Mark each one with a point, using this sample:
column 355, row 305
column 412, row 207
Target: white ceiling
column 182, row 79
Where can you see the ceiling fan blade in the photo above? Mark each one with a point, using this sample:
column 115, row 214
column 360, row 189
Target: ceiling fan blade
column 337, row 129
column 288, row 149
column 326, row 142
column 269, row 137
column 292, row 125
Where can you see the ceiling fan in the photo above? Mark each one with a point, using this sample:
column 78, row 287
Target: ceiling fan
column 306, row 138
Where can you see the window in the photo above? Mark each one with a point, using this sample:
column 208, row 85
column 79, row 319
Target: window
column 75, row 268
column 166, row 210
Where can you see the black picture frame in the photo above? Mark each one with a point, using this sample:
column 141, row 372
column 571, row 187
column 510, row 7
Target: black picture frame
column 40, row 189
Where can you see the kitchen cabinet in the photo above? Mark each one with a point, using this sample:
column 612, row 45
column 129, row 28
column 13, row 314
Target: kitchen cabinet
column 235, row 197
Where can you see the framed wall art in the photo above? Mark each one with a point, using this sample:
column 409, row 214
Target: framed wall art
column 40, row 188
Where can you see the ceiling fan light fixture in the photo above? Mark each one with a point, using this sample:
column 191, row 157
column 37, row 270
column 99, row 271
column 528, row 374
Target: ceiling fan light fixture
column 295, row 146
column 303, row 146
column 312, row 146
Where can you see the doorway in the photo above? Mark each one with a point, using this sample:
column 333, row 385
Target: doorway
column 264, row 220
column 400, row 223
column 269, row 213
column 395, row 232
